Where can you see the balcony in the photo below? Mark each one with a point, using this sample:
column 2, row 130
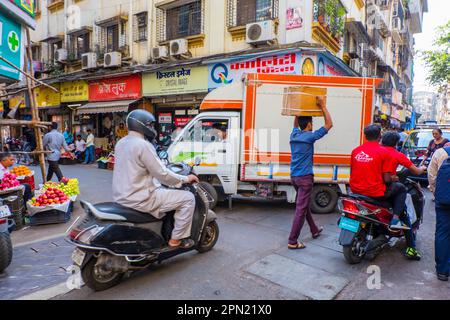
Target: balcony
column 329, row 22
column 55, row 5
column 416, row 9
column 397, row 30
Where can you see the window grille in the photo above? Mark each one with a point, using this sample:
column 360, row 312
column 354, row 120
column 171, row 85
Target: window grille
column 140, row 27
column 241, row 12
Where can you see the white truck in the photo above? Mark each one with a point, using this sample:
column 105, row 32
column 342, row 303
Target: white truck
column 242, row 138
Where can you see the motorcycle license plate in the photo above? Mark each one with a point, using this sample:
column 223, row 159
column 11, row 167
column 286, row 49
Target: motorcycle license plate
column 349, row 224
column 78, row 257
column 4, row 212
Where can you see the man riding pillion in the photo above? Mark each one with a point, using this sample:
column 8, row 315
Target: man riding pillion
column 390, row 141
column 138, row 174
column 370, row 177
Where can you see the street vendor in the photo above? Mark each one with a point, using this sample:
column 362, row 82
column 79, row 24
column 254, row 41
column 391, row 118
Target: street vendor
column 7, row 160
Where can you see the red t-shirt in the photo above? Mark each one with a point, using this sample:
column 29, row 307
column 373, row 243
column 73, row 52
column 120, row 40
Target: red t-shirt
column 395, row 158
column 369, row 162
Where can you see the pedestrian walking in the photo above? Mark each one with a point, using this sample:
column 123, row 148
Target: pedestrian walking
column 439, row 178
column 90, row 148
column 302, row 177
column 54, row 141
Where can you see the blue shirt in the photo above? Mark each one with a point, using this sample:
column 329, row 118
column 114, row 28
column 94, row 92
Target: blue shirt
column 302, row 150
column 54, row 141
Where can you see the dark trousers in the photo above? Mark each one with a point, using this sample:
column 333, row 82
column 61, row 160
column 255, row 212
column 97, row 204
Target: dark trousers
column 53, row 167
column 442, row 240
column 396, row 195
column 27, row 195
column 303, row 186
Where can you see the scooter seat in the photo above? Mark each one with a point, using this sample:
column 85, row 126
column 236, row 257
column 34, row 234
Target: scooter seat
column 384, row 204
column 129, row 214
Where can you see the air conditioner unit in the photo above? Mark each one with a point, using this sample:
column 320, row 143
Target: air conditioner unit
column 88, row 60
column 179, row 47
column 112, row 59
column 260, row 32
column 160, row 53
column 61, row 55
column 355, row 64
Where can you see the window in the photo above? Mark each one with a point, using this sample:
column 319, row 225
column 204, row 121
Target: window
column 140, row 29
column 184, row 21
column 36, row 53
column 80, row 44
column 207, row 130
column 241, row 12
column 52, row 50
column 112, row 38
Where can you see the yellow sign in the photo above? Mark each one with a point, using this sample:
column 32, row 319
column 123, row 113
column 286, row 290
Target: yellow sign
column 1, row 106
column 175, row 81
column 74, row 91
column 18, row 100
column 46, row 97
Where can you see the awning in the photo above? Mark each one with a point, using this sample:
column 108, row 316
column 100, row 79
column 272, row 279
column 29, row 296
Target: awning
column 105, row 107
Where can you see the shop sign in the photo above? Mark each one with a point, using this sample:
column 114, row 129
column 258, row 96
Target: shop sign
column 181, row 112
column 120, row 88
column 18, row 100
column 182, row 121
column 395, row 113
column 326, row 67
column 397, row 97
column 26, row 5
column 402, row 115
column 192, row 112
column 74, row 91
column 294, row 19
column 223, row 73
column 165, row 118
column 386, row 109
column 11, row 47
column 175, row 81
column 46, row 97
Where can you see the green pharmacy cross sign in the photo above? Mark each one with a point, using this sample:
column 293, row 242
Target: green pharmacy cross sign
column 10, row 47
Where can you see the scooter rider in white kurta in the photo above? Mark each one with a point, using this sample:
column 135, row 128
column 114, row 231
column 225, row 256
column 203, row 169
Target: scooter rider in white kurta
column 139, row 173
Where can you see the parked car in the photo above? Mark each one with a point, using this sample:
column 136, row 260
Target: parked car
column 415, row 148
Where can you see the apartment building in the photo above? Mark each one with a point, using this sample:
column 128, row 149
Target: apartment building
column 425, row 104
column 108, row 57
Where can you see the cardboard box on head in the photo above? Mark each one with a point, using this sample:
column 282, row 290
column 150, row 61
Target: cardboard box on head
column 302, row 101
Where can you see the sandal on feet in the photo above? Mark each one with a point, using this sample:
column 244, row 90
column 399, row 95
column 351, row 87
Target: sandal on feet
column 185, row 244
column 316, row 235
column 298, row 245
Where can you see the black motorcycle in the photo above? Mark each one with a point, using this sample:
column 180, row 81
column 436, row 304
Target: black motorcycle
column 112, row 240
column 7, row 225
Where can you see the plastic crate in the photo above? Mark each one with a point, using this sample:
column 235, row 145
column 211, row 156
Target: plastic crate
column 67, row 161
column 102, row 165
column 110, row 166
column 28, row 180
column 16, row 207
column 49, row 217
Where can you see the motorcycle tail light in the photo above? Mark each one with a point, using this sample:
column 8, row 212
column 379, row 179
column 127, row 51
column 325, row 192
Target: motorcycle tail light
column 349, row 206
column 2, row 221
column 73, row 234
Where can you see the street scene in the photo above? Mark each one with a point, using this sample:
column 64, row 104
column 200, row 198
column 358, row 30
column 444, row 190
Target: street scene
column 257, row 150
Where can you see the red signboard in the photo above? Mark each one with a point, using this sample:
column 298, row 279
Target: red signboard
column 120, row 88
column 182, row 121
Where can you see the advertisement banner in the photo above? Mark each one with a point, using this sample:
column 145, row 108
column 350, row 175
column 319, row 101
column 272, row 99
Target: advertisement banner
column 26, row 5
column 46, row 97
column 223, row 73
column 120, row 88
column 18, row 100
column 294, row 19
column 11, row 47
column 165, row 117
column 175, row 81
column 326, row 67
column 74, row 91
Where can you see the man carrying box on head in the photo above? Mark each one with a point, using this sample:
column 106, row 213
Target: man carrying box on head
column 302, row 176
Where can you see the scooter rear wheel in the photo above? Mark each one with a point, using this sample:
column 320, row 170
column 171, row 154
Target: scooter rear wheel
column 98, row 282
column 352, row 252
column 6, row 251
column 209, row 237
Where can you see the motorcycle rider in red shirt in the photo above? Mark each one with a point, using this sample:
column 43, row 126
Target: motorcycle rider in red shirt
column 389, row 141
column 370, row 175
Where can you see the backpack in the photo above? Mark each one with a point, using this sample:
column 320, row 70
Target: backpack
column 442, row 194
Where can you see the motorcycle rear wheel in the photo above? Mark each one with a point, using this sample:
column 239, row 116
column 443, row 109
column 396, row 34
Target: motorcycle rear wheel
column 6, row 251
column 351, row 252
column 96, row 281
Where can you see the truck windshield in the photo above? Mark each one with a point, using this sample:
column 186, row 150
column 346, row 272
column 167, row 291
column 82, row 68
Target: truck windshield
column 207, row 130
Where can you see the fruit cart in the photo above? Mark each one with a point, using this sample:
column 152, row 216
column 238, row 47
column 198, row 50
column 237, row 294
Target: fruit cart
column 24, row 175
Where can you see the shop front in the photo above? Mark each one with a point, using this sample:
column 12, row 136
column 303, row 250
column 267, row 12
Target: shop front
column 109, row 101
column 176, row 95
column 49, row 106
column 73, row 95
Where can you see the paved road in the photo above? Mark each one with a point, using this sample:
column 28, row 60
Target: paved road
column 250, row 260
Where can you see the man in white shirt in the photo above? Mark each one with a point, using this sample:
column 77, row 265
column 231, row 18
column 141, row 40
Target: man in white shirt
column 80, row 147
column 138, row 175
column 90, row 148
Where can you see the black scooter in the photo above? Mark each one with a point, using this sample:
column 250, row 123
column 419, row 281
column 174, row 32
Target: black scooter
column 7, row 225
column 112, row 240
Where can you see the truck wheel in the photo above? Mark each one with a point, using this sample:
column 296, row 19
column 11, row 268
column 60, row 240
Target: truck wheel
column 212, row 192
column 323, row 199
column 96, row 281
column 6, row 251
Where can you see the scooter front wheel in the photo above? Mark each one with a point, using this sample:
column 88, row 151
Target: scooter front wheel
column 6, row 251
column 97, row 281
column 209, row 237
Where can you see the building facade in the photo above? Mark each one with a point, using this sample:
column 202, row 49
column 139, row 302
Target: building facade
column 182, row 49
column 426, row 105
